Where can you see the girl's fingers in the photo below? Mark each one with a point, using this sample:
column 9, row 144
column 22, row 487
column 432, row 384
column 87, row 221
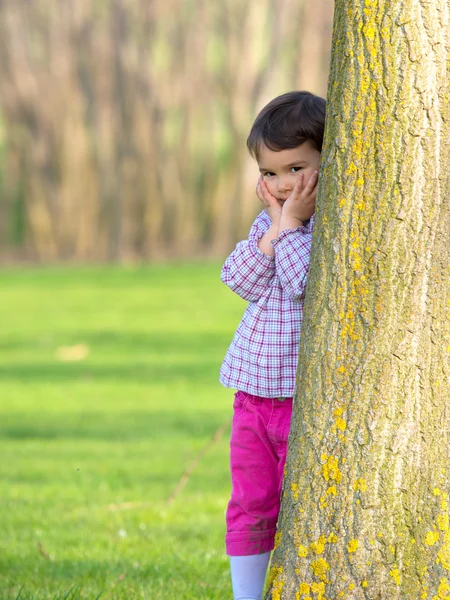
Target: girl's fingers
column 312, row 180
column 307, row 189
column 264, row 186
column 298, row 188
column 267, row 195
column 262, row 195
column 259, row 190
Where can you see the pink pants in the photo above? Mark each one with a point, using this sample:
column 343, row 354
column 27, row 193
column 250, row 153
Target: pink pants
column 258, row 447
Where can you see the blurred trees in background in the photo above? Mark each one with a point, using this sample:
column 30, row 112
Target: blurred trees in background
column 123, row 122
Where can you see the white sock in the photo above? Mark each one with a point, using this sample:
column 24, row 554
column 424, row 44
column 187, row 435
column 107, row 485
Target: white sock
column 248, row 574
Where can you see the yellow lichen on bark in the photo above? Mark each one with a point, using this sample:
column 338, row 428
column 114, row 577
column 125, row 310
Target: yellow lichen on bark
column 276, row 582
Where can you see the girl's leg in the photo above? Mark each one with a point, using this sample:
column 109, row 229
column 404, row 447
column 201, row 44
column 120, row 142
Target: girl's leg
column 258, row 452
column 248, row 574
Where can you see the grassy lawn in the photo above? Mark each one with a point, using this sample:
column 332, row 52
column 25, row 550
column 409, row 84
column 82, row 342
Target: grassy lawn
column 109, row 389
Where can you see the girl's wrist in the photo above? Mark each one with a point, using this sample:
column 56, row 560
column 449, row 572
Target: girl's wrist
column 290, row 222
column 274, row 230
column 264, row 243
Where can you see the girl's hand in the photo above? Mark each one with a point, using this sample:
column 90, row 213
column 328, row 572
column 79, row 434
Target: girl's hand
column 300, row 205
column 270, row 203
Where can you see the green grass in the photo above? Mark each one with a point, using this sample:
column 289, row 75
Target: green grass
column 91, row 450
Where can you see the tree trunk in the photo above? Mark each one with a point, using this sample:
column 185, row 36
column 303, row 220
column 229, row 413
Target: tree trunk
column 365, row 504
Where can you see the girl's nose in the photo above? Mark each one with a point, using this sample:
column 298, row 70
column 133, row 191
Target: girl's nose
column 284, row 185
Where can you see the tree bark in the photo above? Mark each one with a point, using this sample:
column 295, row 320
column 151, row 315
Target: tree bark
column 365, row 504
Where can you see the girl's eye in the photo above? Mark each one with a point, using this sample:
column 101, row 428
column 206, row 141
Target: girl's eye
column 295, row 169
column 269, row 174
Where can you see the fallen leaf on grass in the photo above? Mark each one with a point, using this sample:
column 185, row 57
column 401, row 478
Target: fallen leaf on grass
column 72, row 353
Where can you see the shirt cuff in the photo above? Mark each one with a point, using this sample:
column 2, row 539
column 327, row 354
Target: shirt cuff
column 262, row 254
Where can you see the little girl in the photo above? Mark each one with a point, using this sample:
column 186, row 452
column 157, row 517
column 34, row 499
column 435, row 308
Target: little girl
column 269, row 270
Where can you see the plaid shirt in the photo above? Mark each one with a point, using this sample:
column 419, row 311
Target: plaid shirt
column 262, row 359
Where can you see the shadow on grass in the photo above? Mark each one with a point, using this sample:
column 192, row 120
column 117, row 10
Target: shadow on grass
column 119, row 426
column 189, row 357
column 130, row 342
column 195, row 371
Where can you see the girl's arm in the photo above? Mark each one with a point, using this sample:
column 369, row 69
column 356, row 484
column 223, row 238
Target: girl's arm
column 292, row 250
column 248, row 271
column 293, row 246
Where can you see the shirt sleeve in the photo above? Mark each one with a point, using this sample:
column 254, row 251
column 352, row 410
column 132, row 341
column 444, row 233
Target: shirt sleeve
column 292, row 253
column 248, row 271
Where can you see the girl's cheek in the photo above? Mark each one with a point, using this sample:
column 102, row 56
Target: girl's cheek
column 271, row 187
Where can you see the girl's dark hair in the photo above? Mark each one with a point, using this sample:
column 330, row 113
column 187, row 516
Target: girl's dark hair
column 289, row 121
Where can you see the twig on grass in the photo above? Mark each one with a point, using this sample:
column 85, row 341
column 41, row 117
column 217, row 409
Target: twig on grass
column 43, row 553
column 195, row 462
column 184, row 477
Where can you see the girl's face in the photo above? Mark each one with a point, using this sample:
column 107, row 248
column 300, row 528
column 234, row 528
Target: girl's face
column 282, row 168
